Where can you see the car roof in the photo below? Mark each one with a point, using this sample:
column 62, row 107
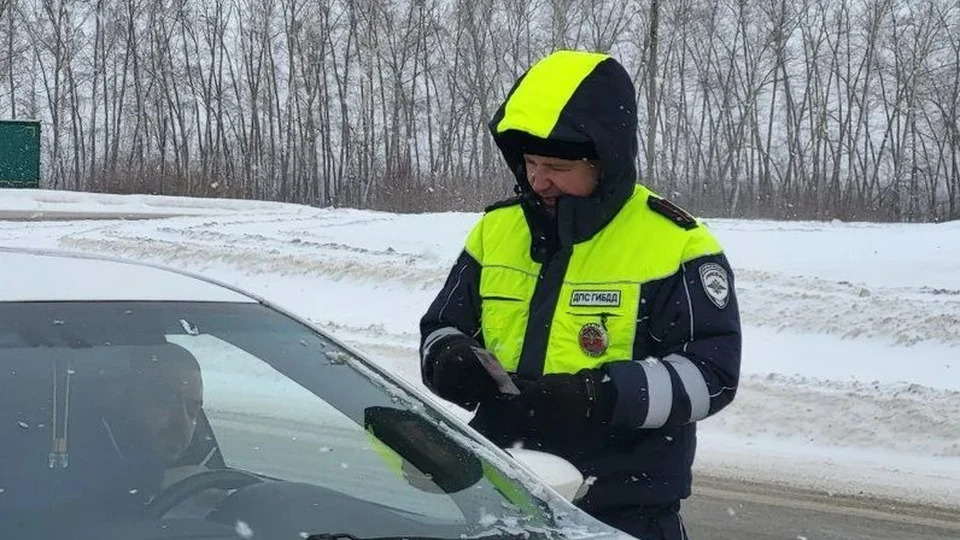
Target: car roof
column 28, row 275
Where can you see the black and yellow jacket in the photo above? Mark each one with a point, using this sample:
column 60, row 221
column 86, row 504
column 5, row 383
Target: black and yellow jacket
column 621, row 280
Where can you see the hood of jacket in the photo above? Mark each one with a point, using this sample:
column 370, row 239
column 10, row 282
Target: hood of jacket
column 572, row 98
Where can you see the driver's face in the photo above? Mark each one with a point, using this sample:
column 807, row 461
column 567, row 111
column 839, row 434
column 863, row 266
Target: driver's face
column 164, row 407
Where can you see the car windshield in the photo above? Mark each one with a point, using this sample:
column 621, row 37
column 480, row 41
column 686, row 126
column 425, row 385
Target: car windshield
column 200, row 415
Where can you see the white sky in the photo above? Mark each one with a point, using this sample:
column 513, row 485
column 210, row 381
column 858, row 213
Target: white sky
column 851, row 367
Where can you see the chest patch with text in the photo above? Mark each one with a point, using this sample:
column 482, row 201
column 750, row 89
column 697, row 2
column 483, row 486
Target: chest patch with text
column 595, row 299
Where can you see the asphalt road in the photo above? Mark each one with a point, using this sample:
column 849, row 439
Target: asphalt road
column 728, row 510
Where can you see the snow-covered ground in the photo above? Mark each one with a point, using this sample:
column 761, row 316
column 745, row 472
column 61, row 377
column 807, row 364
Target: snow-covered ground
column 851, row 368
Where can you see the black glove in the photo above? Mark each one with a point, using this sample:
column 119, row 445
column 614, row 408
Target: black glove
column 561, row 404
column 457, row 375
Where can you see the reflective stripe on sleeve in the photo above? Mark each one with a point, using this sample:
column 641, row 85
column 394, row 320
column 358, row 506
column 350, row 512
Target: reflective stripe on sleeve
column 694, row 384
column 435, row 336
column 659, row 394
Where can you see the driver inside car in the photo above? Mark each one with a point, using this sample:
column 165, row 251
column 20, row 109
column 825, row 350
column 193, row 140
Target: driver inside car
column 151, row 420
column 159, row 403
column 126, row 428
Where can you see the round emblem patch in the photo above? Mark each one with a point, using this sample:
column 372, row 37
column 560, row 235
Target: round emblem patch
column 594, row 339
column 716, row 284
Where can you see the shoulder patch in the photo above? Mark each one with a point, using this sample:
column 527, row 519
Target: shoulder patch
column 716, row 283
column 502, row 204
column 672, row 212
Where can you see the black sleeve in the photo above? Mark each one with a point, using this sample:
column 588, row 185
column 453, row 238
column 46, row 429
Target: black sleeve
column 687, row 350
column 453, row 314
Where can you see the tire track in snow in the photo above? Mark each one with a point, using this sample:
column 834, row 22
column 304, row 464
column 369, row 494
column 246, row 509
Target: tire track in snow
column 251, row 258
column 907, row 418
column 806, row 304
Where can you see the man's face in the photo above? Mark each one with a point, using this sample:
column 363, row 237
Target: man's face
column 165, row 403
column 552, row 177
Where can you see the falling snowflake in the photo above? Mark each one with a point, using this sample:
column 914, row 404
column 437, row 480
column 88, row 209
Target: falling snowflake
column 337, row 358
column 243, row 530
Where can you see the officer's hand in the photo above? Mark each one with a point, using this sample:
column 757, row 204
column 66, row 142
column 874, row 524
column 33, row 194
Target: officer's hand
column 560, row 403
column 457, row 374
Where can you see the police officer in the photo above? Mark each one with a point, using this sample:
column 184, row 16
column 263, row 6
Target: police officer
column 612, row 309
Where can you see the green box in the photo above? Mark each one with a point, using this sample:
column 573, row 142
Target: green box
column 19, row 154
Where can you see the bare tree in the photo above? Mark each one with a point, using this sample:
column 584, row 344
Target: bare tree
column 8, row 12
column 4, row 6
column 946, row 82
column 652, row 109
